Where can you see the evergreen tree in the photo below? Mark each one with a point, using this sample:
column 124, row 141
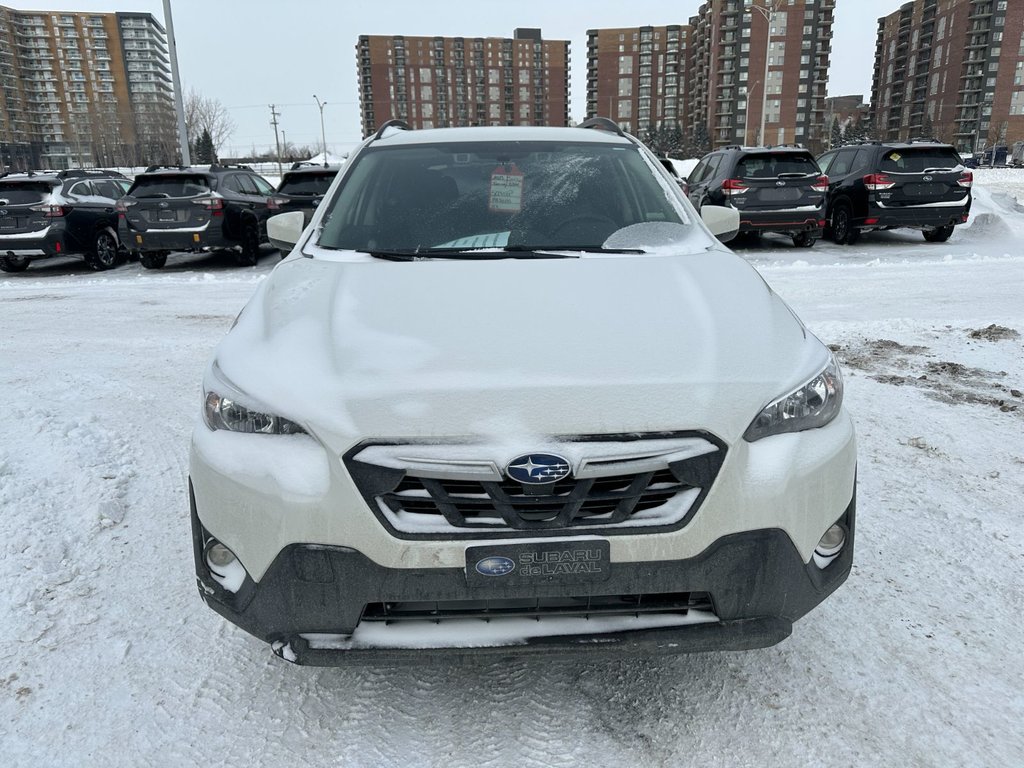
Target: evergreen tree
column 205, row 152
column 836, row 137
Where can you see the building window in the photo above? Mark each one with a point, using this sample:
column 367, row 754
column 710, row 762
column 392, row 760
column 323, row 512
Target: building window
column 625, row 65
column 625, row 108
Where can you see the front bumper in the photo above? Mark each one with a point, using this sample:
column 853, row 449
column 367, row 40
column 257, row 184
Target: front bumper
column 756, row 581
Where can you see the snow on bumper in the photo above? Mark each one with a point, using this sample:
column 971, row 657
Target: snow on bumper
column 260, row 499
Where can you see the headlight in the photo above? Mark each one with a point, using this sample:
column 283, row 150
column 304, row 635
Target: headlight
column 222, row 410
column 813, row 405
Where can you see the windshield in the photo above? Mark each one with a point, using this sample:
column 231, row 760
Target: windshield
column 504, row 195
column 24, row 193
column 178, row 185
column 306, row 184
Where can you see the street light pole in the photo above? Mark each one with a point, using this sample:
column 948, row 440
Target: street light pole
column 323, row 136
column 768, row 11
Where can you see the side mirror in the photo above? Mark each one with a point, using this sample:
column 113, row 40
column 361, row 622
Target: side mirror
column 285, row 229
column 723, row 222
column 668, row 166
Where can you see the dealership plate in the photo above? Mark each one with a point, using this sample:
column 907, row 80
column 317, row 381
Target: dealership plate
column 559, row 562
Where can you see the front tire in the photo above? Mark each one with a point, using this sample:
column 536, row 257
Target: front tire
column 939, row 234
column 843, row 231
column 153, row 260
column 13, row 263
column 105, row 253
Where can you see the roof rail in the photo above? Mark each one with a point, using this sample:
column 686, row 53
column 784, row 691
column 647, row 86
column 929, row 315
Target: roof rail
column 786, row 146
column 602, row 124
column 923, row 140
column 74, row 173
column 152, row 168
column 400, row 124
column 222, row 167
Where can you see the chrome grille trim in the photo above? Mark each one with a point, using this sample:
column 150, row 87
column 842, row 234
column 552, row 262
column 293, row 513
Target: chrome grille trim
column 629, row 484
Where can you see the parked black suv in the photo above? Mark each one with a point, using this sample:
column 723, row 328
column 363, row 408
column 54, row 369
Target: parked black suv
column 922, row 184
column 776, row 189
column 60, row 213
column 174, row 208
column 303, row 187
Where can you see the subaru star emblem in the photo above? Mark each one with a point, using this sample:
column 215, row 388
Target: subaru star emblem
column 163, row 205
column 3, row 211
column 538, row 468
column 780, row 183
column 495, row 566
column 926, row 178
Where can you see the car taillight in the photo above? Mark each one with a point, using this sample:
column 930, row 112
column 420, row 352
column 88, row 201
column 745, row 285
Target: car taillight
column 275, row 203
column 52, row 211
column 876, row 182
column 966, row 179
column 215, row 205
column 734, row 187
column 121, row 206
column 821, row 185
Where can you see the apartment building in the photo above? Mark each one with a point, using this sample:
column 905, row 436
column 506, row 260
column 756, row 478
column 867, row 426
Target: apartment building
column 637, row 77
column 84, row 89
column 435, row 82
column 953, row 70
column 758, row 72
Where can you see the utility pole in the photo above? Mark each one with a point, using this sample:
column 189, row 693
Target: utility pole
column 277, row 142
column 768, row 11
column 323, row 136
column 179, row 107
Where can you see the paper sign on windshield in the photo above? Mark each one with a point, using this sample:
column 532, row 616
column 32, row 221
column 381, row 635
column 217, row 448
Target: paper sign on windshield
column 506, row 195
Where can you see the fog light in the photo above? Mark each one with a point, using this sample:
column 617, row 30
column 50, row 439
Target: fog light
column 219, row 556
column 830, row 545
column 224, row 567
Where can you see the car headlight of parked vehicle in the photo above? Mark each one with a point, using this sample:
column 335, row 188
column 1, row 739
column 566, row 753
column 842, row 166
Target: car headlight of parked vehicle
column 809, row 406
column 227, row 408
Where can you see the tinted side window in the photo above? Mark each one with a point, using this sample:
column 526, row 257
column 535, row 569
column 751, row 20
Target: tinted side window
column 107, row 188
column 246, row 185
column 698, row 171
column 863, row 159
column 826, row 160
column 263, row 186
column 843, row 163
column 81, row 189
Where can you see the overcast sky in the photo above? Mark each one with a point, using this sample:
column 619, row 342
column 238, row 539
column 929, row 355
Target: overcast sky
column 252, row 53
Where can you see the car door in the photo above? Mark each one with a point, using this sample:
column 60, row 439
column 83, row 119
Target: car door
column 83, row 209
column 701, row 180
column 266, row 192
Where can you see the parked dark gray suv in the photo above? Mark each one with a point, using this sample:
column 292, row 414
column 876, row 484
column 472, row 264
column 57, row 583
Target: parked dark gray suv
column 775, row 189
column 196, row 209
column 921, row 184
column 60, row 213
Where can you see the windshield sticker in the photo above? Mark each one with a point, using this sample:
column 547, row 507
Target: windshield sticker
column 895, row 156
column 506, row 195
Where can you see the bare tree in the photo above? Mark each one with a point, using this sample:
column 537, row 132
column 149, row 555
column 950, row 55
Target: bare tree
column 203, row 113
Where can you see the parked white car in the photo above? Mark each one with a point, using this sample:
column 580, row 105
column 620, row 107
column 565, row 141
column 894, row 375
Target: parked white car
column 509, row 393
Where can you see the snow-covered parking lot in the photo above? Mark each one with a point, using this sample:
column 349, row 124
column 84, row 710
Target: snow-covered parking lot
column 110, row 658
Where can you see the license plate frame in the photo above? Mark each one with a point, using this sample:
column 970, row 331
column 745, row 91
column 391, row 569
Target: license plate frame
column 537, row 563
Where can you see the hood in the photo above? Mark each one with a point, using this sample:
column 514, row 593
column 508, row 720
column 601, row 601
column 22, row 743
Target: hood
column 446, row 348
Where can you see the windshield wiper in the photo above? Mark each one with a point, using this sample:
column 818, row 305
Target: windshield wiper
column 546, row 249
column 495, row 254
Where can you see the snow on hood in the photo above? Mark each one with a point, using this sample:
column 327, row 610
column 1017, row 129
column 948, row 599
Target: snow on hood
column 492, row 348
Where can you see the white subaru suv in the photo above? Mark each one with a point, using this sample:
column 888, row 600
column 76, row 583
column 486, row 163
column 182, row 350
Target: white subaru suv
column 509, row 394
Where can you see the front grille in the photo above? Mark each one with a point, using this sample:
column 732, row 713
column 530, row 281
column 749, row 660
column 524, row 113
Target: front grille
column 596, row 501
column 536, row 608
column 617, row 485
